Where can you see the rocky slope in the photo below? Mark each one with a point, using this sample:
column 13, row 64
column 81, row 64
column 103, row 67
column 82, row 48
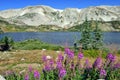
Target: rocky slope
column 45, row 15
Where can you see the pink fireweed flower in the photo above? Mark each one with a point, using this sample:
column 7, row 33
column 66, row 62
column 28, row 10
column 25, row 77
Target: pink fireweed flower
column 111, row 57
column 114, row 58
column 51, row 62
column 87, row 64
column 47, row 67
column 67, row 50
column 36, row 74
column 97, row 63
column 8, row 72
column 103, row 73
column 60, row 57
column 59, row 64
column 62, row 72
column 80, row 55
column 71, row 54
column 44, row 58
column 26, row 77
column 30, row 68
column 117, row 65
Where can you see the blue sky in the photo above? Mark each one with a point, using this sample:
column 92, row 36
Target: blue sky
column 59, row 4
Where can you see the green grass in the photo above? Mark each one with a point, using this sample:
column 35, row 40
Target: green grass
column 95, row 53
column 38, row 45
column 35, row 44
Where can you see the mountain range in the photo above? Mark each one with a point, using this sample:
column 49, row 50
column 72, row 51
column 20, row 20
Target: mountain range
column 58, row 19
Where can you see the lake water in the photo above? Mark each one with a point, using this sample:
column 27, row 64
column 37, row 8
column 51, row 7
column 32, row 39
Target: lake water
column 60, row 38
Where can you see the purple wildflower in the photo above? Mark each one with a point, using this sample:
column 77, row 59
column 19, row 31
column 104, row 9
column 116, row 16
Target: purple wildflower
column 87, row 65
column 111, row 57
column 51, row 62
column 59, row 64
column 80, row 55
column 117, row 65
column 71, row 54
column 36, row 74
column 87, row 62
column 67, row 50
column 97, row 63
column 62, row 72
column 47, row 67
column 60, row 57
column 114, row 58
column 44, row 58
column 30, row 68
column 9, row 72
column 103, row 73
column 26, row 77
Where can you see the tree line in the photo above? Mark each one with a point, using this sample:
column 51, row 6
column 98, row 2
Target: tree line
column 91, row 35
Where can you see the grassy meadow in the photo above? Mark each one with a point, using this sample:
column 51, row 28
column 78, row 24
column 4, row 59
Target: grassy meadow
column 50, row 62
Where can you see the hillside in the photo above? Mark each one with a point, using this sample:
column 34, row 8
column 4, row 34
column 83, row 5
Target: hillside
column 45, row 18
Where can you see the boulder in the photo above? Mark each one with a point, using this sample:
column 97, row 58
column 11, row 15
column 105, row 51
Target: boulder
column 4, row 47
column 2, row 78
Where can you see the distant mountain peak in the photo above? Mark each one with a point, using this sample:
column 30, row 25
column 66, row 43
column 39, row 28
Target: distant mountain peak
column 46, row 15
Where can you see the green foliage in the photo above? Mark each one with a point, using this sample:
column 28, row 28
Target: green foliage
column 94, row 53
column 97, row 38
column 115, row 24
column 1, row 31
column 86, row 38
column 7, row 40
column 91, row 39
column 76, row 28
column 118, row 51
column 14, row 76
column 35, row 44
column 113, row 74
column 3, row 22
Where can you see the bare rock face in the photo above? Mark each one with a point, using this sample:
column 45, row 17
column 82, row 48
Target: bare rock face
column 45, row 15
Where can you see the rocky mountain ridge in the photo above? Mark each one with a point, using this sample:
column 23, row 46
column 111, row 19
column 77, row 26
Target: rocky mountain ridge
column 45, row 15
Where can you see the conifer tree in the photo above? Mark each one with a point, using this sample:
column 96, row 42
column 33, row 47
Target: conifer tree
column 97, row 37
column 86, row 37
column 91, row 38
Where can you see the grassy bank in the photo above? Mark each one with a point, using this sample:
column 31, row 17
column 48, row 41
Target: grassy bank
column 39, row 45
column 34, row 45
